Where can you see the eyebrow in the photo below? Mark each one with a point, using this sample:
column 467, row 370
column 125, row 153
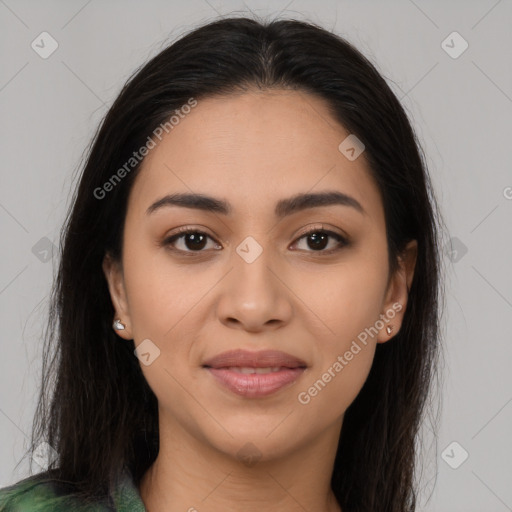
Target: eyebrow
column 283, row 208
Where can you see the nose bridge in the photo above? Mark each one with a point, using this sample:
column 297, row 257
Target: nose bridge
column 252, row 273
column 252, row 292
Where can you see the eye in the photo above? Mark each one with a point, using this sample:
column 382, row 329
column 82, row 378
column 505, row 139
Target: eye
column 318, row 239
column 193, row 240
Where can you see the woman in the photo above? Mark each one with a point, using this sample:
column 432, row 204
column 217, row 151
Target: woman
column 246, row 314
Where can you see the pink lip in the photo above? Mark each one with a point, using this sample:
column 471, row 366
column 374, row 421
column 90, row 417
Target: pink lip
column 260, row 359
column 255, row 384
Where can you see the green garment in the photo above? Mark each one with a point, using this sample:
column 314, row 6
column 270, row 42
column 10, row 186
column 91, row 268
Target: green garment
column 37, row 494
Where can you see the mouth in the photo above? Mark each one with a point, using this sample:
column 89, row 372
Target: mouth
column 255, row 374
column 248, row 370
column 263, row 359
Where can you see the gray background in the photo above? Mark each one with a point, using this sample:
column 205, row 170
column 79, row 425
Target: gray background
column 460, row 107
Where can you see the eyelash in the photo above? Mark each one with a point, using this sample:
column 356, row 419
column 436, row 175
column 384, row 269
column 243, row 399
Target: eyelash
column 185, row 231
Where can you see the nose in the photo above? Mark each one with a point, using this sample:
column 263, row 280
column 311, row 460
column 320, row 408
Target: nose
column 254, row 296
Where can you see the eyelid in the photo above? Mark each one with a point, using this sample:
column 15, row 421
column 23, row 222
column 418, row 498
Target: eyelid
column 342, row 239
column 323, row 228
column 184, row 230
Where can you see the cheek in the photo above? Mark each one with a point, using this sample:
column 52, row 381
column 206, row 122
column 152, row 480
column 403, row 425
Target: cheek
column 327, row 395
column 159, row 293
column 348, row 299
column 161, row 299
column 351, row 303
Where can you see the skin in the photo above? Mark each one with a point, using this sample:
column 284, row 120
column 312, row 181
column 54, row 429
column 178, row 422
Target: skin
column 253, row 149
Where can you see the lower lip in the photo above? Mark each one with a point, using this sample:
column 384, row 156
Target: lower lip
column 255, row 385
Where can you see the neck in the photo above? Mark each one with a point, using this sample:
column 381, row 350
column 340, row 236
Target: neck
column 189, row 475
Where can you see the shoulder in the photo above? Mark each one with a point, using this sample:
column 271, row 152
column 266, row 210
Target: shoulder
column 40, row 493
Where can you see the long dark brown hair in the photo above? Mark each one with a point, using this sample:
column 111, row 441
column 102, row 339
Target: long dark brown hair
column 95, row 407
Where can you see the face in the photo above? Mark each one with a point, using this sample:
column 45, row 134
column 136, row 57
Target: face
column 257, row 272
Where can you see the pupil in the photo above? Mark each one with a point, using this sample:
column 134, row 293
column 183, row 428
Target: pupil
column 316, row 239
column 195, row 240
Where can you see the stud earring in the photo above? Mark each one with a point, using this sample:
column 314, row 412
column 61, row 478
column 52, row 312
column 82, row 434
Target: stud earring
column 389, row 329
column 117, row 325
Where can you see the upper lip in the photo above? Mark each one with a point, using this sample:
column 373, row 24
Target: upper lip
column 262, row 359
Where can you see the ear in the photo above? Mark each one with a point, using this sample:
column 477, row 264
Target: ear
column 115, row 280
column 397, row 293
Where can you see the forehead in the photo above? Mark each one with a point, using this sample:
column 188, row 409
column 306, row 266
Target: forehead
column 254, row 148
